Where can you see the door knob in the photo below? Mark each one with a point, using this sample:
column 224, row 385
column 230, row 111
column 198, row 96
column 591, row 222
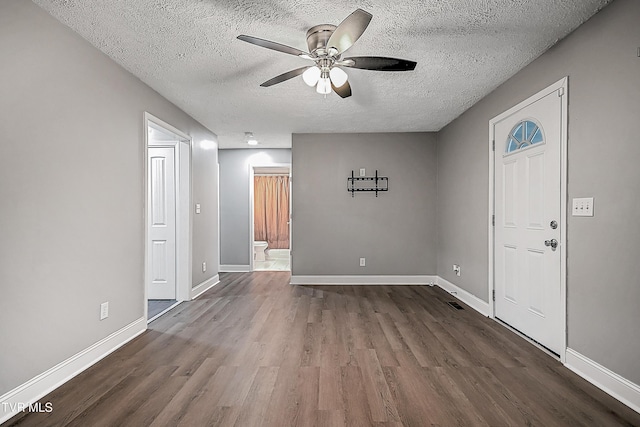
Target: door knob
column 553, row 243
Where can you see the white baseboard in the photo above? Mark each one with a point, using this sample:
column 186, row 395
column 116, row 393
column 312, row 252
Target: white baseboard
column 204, row 286
column 363, row 280
column 471, row 300
column 610, row 382
column 234, row 268
column 41, row 385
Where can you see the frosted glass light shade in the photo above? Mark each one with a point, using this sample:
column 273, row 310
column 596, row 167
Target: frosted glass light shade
column 311, row 76
column 324, row 86
column 338, row 77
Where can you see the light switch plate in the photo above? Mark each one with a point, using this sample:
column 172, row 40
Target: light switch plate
column 104, row 310
column 582, row 207
column 363, row 172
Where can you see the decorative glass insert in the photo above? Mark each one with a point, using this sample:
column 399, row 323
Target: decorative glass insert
column 524, row 134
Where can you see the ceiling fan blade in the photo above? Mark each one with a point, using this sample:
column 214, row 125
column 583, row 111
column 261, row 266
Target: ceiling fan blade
column 349, row 30
column 284, row 77
column 378, row 63
column 344, row 91
column 272, row 45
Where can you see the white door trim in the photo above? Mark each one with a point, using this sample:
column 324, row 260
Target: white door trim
column 183, row 208
column 252, row 167
column 560, row 85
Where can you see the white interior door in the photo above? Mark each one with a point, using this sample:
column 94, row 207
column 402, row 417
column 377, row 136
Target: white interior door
column 162, row 227
column 528, row 220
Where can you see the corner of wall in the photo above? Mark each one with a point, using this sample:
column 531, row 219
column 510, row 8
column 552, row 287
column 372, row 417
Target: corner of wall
column 203, row 287
column 471, row 300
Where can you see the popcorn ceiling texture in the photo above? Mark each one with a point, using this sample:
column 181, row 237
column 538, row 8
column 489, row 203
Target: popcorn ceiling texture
column 187, row 51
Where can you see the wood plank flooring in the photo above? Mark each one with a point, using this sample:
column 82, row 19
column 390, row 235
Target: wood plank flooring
column 255, row 351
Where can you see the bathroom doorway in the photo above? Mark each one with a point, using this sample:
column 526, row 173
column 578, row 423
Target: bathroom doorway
column 270, row 217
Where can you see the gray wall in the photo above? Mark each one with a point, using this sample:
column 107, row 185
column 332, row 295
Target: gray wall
column 72, row 192
column 601, row 61
column 234, row 199
column 395, row 232
column 204, row 180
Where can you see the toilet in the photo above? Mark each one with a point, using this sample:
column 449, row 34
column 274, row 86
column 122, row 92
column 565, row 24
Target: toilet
column 258, row 250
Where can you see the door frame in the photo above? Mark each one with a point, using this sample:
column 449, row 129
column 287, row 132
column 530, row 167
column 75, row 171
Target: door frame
column 561, row 87
column 252, row 167
column 184, row 220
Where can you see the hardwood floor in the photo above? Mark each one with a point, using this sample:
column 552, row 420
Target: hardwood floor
column 255, row 351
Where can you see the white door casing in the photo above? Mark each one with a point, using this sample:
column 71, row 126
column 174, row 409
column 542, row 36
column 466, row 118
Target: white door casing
column 529, row 194
column 162, row 217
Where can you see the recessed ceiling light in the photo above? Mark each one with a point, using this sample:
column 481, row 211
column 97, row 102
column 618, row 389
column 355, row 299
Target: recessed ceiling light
column 251, row 140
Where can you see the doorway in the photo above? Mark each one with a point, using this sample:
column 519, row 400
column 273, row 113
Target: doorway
column 270, row 224
column 167, row 240
column 527, row 233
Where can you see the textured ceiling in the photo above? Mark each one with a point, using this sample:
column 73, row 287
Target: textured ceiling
column 187, row 50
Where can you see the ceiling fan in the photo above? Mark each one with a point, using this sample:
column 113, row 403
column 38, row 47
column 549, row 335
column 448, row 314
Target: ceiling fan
column 326, row 44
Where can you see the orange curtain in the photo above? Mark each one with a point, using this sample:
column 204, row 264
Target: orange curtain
column 271, row 211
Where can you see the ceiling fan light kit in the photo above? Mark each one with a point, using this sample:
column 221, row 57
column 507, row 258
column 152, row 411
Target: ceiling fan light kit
column 326, row 45
column 311, row 76
column 324, row 86
column 338, row 76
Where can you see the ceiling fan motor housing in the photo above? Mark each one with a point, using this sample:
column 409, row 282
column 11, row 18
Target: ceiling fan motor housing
column 317, row 38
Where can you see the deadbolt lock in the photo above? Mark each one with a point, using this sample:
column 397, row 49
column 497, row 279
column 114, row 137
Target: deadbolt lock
column 554, row 225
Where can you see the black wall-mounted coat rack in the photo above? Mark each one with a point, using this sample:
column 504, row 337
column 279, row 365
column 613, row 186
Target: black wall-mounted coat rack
column 367, row 183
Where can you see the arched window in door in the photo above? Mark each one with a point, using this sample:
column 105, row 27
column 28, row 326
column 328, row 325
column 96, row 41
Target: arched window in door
column 524, row 134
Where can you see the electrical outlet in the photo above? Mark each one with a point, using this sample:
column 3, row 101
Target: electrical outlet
column 362, row 262
column 104, row 310
column 204, row 267
column 198, row 208
column 456, row 269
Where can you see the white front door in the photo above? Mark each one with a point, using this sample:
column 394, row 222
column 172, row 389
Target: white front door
column 528, row 221
column 162, row 226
